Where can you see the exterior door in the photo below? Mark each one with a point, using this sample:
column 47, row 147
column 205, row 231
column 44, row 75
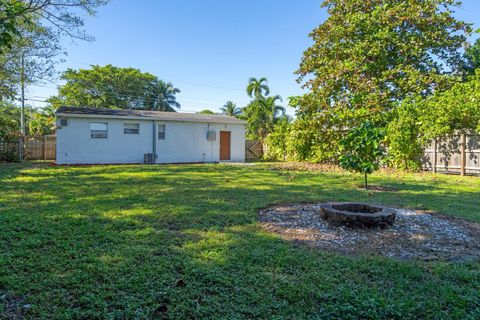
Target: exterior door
column 225, row 145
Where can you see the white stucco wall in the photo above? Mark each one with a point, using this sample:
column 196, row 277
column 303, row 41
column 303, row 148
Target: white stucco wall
column 184, row 142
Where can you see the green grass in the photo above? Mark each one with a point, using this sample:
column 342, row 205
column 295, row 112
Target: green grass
column 141, row 242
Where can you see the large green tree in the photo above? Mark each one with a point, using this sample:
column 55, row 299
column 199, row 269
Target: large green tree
column 472, row 57
column 113, row 87
column 367, row 57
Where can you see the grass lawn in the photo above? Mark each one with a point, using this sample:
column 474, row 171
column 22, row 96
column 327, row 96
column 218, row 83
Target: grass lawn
column 141, row 242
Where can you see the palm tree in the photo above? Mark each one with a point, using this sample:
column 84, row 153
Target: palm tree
column 162, row 97
column 257, row 87
column 262, row 114
column 230, row 109
column 43, row 122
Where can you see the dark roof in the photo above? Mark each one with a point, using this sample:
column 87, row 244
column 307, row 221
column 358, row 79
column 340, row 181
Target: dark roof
column 160, row 115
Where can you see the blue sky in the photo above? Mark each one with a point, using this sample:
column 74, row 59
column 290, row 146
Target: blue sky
column 207, row 48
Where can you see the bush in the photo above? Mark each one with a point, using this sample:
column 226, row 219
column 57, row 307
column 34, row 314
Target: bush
column 9, row 155
column 405, row 146
column 276, row 141
column 309, row 140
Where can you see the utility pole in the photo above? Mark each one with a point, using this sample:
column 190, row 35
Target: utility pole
column 22, row 113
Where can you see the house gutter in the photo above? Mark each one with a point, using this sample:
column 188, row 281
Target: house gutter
column 163, row 118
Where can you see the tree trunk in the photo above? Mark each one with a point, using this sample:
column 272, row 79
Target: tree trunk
column 366, row 184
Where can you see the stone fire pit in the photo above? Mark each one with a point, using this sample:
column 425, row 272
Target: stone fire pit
column 357, row 215
column 414, row 235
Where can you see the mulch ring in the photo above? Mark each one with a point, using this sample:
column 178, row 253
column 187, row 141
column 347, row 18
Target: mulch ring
column 414, row 235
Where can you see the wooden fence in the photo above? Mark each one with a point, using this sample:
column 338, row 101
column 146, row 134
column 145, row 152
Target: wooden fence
column 454, row 154
column 40, row 148
column 10, row 150
column 254, row 150
column 34, row 148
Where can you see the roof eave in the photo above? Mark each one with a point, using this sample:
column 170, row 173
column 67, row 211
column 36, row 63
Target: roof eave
column 127, row 117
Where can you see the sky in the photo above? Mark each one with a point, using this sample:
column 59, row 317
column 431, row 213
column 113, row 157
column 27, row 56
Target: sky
column 207, row 48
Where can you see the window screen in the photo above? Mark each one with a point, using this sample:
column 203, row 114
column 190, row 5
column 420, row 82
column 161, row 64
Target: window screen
column 131, row 128
column 161, row 132
column 98, row 130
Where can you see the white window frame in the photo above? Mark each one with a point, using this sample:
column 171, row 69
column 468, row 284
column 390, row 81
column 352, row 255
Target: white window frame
column 94, row 132
column 161, row 135
column 131, row 128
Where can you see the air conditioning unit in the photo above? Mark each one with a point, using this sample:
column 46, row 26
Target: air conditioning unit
column 149, row 158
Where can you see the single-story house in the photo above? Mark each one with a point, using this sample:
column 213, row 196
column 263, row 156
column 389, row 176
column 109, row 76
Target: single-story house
column 95, row 136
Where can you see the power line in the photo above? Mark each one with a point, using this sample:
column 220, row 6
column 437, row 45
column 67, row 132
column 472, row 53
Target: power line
column 180, row 110
column 127, row 92
column 171, row 80
column 123, row 94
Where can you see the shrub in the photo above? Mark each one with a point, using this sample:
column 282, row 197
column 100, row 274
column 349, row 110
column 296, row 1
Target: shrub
column 362, row 150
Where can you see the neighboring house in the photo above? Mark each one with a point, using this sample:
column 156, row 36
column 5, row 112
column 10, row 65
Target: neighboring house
column 94, row 136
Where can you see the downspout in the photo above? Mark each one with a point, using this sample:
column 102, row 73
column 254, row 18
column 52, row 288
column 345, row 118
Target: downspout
column 154, row 141
column 211, row 144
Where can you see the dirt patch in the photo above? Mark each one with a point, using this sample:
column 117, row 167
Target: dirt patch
column 12, row 306
column 414, row 235
column 307, row 166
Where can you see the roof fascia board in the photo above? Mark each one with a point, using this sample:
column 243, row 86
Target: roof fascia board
column 149, row 118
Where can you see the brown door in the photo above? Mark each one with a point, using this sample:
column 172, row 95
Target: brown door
column 225, row 145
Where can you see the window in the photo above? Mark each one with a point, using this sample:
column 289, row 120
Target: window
column 161, row 132
column 98, row 130
column 131, row 128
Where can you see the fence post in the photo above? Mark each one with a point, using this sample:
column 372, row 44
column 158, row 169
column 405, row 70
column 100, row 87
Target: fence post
column 463, row 154
column 434, row 165
column 20, row 149
column 44, row 148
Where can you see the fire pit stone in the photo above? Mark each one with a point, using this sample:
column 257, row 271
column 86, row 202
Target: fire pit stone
column 357, row 215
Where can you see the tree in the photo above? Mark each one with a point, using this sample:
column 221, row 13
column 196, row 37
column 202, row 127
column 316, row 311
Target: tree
column 162, row 97
column 10, row 19
column 368, row 56
column 43, row 122
column 30, row 35
column 113, row 87
column 472, row 57
column 9, row 120
column 261, row 115
column 362, row 151
column 257, row 87
column 61, row 17
column 206, row 111
column 230, row 109
column 31, row 59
